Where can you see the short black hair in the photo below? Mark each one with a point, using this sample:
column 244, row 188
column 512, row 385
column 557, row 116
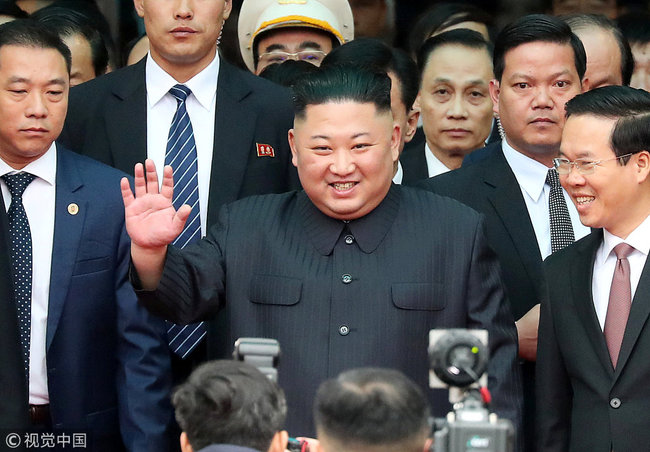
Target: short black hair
column 287, row 73
column 9, row 8
column 229, row 402
column 631, row 108
column 586, row 21
column 444, row 15
column 537, row 28
column 67, row 22
column 635, row 26
column 372, row 407
column 28, row 33
column 375, row 54
column 339, row 83
column 463, row 37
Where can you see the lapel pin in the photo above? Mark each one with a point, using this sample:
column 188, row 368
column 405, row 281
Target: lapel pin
column 265, row 150
column 73, row 209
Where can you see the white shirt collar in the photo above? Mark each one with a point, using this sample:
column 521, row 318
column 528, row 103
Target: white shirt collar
column 639, row 239
column 530, row 174
column 434, row 165
column 203, row 84
column 44, row 167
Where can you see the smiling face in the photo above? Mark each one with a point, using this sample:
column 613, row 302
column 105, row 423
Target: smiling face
column 344, row 153
column 537, row 81
column 34, row 85
column 183, row 33
column 609, row 197
column 455, row 102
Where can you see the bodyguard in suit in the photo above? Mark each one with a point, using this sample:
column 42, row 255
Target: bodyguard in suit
column 94, row 360
column 594, row 338
column 352, row 271
column 237, row 124
column 538, row 64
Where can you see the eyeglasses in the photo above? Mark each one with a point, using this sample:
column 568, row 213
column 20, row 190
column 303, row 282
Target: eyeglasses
column 311, row 56
column 563, row 166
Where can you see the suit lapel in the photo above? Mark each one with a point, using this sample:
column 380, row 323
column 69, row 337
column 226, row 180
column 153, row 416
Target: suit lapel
column 509, row 204
column 67, row 233
column 581, row 277
column 233, row 132
column 127, row 114
column 638, row 316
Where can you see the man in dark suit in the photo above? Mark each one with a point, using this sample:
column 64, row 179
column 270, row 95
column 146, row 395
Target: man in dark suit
column 238, row 122
column 594, row 337
column 454, row 103
column 538, row 64
column 95, row 362
column 352, row 271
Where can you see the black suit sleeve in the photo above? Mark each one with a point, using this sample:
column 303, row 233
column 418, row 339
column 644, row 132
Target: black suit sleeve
column 554, row 394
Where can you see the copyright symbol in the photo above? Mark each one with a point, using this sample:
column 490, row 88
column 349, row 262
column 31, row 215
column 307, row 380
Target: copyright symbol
column 12, row 440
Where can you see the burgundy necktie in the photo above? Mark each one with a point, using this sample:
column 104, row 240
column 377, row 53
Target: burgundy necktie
column 620, row 301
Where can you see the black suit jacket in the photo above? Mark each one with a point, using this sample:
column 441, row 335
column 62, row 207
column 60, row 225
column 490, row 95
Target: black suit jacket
column 338, row 296
column 583, row 403
column 107, row 120
column 13, row 408
column 413, row 160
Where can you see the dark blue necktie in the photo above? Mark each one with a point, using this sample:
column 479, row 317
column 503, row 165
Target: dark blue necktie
column 21, row 257
column 181, row 156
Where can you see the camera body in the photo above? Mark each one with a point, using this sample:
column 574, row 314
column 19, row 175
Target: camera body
column 458, row 360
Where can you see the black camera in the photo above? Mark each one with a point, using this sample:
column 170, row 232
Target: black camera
column 458, row 360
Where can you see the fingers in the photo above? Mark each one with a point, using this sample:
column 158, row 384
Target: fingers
column 139, row 183
column 167, row 188
column 127, row 194
column 152, row 176
column 181, row 217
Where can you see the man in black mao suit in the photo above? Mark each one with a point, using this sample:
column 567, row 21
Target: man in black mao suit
column 508, row 182
column 594, row 338
column 350, row 272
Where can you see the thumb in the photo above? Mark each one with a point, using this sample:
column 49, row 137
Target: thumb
column 181, row 217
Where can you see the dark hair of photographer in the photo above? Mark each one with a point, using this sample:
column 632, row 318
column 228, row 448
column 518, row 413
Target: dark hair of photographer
column 233, row 403
column 287, row 73
column 371, row 410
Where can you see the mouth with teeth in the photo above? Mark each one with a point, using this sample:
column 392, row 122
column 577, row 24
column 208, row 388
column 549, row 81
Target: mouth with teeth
column 584, row 199
column 342, row 186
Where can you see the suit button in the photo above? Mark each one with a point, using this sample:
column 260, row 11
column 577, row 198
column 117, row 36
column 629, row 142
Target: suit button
column 349, row 239
column 344, row 330
column 615, row 402
column 347, row 279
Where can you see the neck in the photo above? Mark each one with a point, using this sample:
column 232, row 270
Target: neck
column 182, row 71
column 451, row 160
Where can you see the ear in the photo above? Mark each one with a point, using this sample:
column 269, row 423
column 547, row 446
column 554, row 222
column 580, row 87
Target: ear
column 292, row 145
column 585, row 85
column 643, row 166
column 227, row 9
column 495, row 90
column 411, row 124
column 395, row 142
column 185, row 443
column 139, row 7
column 279, row 441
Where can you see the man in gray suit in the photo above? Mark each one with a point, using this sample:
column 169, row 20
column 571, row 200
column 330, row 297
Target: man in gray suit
column 352, row 271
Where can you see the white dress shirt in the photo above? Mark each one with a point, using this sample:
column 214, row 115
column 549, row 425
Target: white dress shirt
column 434, row 165
column 38, row 200
column 531, row 176
column 605, row 264
column 201, row 107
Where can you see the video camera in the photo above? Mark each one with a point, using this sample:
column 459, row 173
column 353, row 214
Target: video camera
column 458, row 360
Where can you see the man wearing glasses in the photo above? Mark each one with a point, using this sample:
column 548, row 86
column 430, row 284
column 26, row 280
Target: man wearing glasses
column 274, row 31
column 593, row 336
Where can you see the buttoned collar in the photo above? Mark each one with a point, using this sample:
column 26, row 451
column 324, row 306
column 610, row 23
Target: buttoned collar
column 44, row 167
column 530, row 174
column 203, row 84
column 639, row 239
column 368, row 230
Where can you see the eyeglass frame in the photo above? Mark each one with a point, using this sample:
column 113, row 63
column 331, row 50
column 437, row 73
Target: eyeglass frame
column 289, row 55
column 576, row 163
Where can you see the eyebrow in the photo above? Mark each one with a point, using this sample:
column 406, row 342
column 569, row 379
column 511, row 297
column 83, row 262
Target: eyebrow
column 528, row 77
column 477, row 81
column 303, row 45
column 54, row 81
column 327, row 137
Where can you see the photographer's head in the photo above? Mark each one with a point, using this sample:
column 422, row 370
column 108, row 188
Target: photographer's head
column 230, row 402
column 371, row 410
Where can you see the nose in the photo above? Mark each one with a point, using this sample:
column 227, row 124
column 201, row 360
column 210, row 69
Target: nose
column 574, row 178
column 183, row 9
column 542, row 98
column 457, row 108
column 342, row 163
column 36, row 106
